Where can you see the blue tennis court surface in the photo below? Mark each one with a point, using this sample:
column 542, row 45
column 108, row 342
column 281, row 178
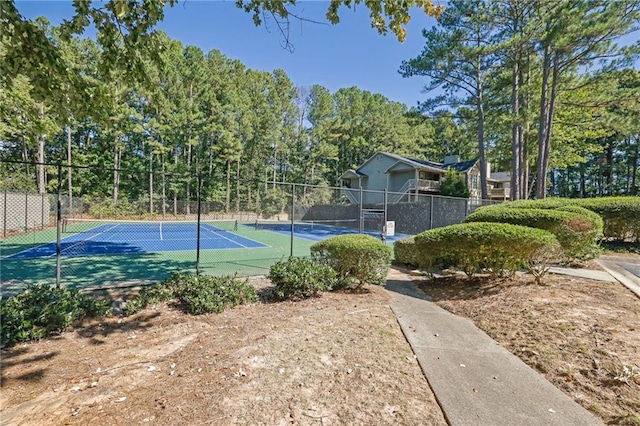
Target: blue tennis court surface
column 316, row 231
column 125, row 238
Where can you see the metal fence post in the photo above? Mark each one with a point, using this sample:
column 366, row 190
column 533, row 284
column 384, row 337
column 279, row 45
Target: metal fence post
column 42, row 211
column 198, row 231
column 431, row 213
column 361, row 213
column 26, row 212
column 4, row 214
column 293, row 207
column 58, row 228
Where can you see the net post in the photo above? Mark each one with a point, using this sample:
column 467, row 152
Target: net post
column 292, row 218
column 198, row 230
column 58, row 225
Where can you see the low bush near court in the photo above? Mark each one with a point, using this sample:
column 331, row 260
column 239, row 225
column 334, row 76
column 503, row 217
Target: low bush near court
column 357, row 259
column 197, row 294
column 499, row 248
column 301, row 278
column 621, row 215
column 42, row 310
column 577, row 233
column 405, row 251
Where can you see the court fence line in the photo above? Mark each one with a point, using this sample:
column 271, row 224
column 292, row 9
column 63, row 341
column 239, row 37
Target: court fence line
column 284, row 217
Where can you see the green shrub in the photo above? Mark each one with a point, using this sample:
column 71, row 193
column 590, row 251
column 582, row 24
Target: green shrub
column 301, row 278
column 42, row 310
column 405, row 251
column 594, row 217
column 577, row 234
column 498, row 247
column 150, row 295
column 203, row 294
column 196, row 294
column 621, row 215
column 358, row 259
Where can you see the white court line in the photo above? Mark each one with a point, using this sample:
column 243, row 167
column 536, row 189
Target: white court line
column 216, row 233
column 54, row 242
column 84, row 240
column 161, row 231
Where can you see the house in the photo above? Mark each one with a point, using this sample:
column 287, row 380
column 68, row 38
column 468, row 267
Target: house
column 405, row 178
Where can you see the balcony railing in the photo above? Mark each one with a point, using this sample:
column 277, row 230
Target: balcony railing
column 428, row 185
column 499, row 193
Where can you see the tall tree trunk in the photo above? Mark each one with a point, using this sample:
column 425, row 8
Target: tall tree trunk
column 188, row 178
column 175, row 184
column 151, row 181
column 41, row 168
column 69, row 185
column 116, row 171
column 582, row 181
column 164, row 188
column 483, row 161
column 227, row 199
column 238, row 185
column 541, row 178
column 516, row 134
column 634, row 168
column 608, row 168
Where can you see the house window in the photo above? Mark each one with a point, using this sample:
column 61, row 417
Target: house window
column 474, row 182
column 422, row 175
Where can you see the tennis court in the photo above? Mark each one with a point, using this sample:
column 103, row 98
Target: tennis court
column 93, row 238
column 106, row 253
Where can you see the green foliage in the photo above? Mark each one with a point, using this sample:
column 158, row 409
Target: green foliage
column 454, row 185
column 576, row 233
column 197, row 294
column 358, row 259
column 42, row 310
column 498, row 247
column 301, row 278
column 405, row 251
column 621, row 215
column 272, row 202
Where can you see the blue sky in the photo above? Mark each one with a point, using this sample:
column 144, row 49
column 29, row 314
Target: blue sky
column 348, row 54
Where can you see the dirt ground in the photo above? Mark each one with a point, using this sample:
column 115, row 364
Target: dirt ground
column 337, row 359
column 582, row 335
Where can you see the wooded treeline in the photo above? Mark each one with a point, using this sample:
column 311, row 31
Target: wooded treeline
column 500, row 64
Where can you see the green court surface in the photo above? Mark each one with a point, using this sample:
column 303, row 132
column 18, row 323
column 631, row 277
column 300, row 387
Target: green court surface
column 108, row 270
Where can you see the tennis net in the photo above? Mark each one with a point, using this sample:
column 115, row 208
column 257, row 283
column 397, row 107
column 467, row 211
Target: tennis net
column 308, row 225
column 75, row 226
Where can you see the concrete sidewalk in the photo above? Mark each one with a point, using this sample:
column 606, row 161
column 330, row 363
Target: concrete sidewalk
column 625, row 269
column 476, row 381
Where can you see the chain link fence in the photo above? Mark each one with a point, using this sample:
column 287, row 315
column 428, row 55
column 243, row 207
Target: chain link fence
column 180, row 224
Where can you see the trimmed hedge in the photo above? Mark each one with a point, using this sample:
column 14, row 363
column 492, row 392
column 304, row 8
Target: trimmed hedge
column 358, row 259
column 500, row 248
column 405, row 251
column 621, row 215
column 577, row 233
